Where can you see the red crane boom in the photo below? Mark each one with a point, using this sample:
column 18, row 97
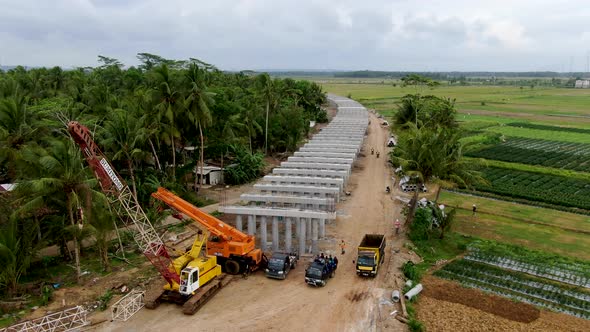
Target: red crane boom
column 124, row 202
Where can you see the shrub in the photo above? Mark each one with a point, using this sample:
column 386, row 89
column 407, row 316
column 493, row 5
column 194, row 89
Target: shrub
column 420, row 227
column 322, row 116
column 248, row 166
column 410, row 271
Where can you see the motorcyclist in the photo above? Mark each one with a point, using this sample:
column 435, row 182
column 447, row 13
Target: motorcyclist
column 387, row 189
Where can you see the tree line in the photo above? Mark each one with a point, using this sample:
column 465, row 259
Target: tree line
column 156, row 122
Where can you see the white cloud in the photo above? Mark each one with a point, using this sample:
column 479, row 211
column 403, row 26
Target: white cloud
column 346, row 34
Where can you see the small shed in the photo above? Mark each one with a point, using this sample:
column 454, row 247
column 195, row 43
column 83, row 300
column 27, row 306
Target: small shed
column 7, row 187
column 212, row 175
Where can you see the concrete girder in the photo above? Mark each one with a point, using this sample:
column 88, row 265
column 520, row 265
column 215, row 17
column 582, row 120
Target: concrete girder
column 309, row 172
column 311, row 190
column 285, row 199
column 353, row 140
column 325, row 154
column 332, row 145
column 337, row 182
column 338, row 167
column 276, row 212
column 326, row 160
column 337, row 142
column 328, row 150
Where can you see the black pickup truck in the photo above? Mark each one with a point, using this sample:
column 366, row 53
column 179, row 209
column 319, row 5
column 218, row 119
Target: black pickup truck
column 280, row 264
column 319, row 271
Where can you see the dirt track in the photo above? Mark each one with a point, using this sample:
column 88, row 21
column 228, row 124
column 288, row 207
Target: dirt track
column 346, row 303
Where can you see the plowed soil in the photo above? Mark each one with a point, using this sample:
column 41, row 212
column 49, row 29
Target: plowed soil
column 447, row 306
column 452, row 292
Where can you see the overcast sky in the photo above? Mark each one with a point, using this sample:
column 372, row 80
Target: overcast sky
column 408, row 35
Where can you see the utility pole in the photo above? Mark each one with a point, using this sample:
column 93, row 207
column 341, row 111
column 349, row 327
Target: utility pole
column 588, row 63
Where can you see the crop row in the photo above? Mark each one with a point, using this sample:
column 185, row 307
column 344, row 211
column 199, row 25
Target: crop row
column 572, row 156
column 553, row 189
column 519, row 286
column 549, row 128
column 536, row 263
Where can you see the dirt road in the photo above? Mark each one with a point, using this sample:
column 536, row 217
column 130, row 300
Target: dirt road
column 346, row 303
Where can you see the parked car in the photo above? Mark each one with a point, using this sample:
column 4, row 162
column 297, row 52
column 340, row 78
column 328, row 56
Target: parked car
column 280, row 264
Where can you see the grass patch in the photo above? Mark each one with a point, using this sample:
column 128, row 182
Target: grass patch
column 521, row 225
column 433, row 250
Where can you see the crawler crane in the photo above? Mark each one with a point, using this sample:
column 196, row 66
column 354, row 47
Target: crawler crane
column 191, row 278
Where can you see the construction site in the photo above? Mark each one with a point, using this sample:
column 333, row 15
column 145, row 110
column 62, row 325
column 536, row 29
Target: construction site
column 313, row 208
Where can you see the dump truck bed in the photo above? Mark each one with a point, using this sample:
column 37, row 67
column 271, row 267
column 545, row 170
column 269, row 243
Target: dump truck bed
column 372, row 241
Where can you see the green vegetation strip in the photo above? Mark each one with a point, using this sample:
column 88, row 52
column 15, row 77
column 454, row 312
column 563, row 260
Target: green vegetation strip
column 550, row 128
column 571, row 156
column 537, row 169
column 541, row 134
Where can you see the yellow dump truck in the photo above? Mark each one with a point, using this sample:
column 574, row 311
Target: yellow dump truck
column 371, row 253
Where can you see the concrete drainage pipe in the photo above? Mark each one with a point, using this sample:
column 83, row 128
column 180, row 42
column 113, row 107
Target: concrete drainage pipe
column 413, row 292
column 395, row 296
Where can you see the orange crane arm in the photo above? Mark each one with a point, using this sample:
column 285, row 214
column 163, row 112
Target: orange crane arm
column 214, row 225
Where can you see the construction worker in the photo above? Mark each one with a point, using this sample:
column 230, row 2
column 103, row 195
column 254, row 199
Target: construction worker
column 474, row 209
column 342, row 247
column 397, row 225
column 372, row 151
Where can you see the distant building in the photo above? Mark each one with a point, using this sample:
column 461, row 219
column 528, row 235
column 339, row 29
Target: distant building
column 582, row 84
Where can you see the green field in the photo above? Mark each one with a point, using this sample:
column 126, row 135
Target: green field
column 550, row 230
column 568, row 107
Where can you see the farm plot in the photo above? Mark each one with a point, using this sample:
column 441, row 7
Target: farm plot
column 552, row 189
column 554, row 267
column 550, row 128
column 565, row 155
column 519, row 286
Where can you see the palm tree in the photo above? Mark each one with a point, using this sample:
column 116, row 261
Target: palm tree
column 454, row 170
column 197, row 103
column 17, row 250
column 408, row 110
column 418, row 154
column 269, row 93
column 141, row 104
column 167, row 103
column 16, row 131
column 62, row 178
column 125, row 135
column 249, row 119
